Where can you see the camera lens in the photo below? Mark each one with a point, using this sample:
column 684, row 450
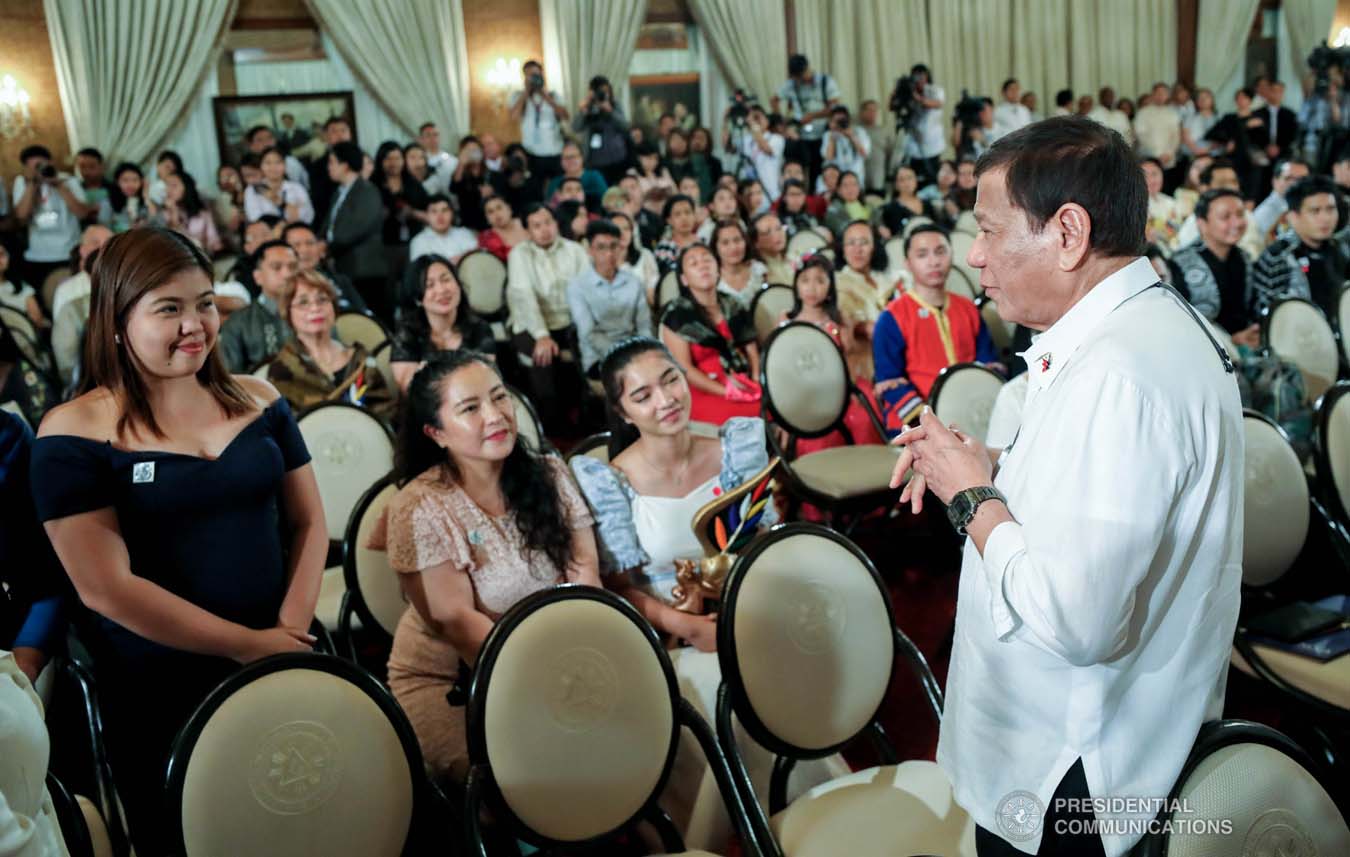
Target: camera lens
column 48, row 171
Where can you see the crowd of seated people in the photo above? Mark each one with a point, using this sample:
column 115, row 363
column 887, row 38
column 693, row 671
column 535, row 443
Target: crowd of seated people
column 159, row 299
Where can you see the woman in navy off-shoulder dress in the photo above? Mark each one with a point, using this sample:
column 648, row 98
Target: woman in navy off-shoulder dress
column 166, row 488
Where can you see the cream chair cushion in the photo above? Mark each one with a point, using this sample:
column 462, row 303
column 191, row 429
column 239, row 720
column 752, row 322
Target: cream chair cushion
column 380, row 587
column 964, row 396
column 1299, row 333
column 806, row 377
column 842, row 472
column 350, row 450
column 579, row 719
column 879, row 812
column 1275, row 806
column 1275, row 506
column 528, row 430
column 483, row 277
column 356, row 328
column 1328, row 681
column 1337, row 442
column 770, row 304
column 298, row 761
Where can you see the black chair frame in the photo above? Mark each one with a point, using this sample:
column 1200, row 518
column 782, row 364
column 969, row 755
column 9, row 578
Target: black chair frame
column 74, row 829
column 426, row 799
column 850, row 509
column 1326, row 499
column 480, row 787
column 732, row 698
column 764, row 289
column 587, row 444
column 545, row 445
column 77, row 669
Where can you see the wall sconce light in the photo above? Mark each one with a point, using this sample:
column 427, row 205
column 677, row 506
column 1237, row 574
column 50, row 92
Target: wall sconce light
column 502, row 78
column 15, row 121
column 1342, row 38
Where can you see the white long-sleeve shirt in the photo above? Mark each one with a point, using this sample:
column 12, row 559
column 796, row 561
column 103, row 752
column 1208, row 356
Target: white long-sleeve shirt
column 1099, row 624
column 536, row 285
column 256, row 204
column 1010, row 117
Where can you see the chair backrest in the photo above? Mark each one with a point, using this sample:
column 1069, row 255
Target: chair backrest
column 999, row 330
column 596, row 446
column 1275, row 510
column 355, row 328
column 964, row 395
column 961, row 244
column 667, row 290
column 223, row 266
column 1297, row 331
column 874, row 200
column 384, row 362
column 350, row 449
column 910, row 225
column 572, row 708
column 966, row 224
column 1333, row 448
column 805, row 639
column 377, row 596
column 804, row 242
column 528, row 428
column 958, row 283
column 805, row 379
column 295, row 754
column 1343, row 321
column 483, row 278
column 895, row 252
column 768, row 305
column 1255, row 791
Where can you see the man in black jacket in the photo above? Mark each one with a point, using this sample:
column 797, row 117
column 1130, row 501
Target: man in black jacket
column 335, row 130
column 352, row 230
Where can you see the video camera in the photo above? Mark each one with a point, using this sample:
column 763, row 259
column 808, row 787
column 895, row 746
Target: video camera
column 741, row 102
column 968, row 110
column 904, row 102
column 1321, row 61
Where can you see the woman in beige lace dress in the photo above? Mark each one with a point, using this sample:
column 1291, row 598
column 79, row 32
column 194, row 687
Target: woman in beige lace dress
column 480, row 522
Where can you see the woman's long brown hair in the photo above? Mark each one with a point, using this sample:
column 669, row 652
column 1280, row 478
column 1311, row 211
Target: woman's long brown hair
column 130, row 265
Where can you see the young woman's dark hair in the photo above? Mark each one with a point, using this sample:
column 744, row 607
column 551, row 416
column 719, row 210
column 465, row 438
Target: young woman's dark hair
column 843, row 174
column 672, row 202
column 634, row 241
column 751, row 254
column 172, row 157
column 527, row 482
column 130, row 265
column 880, row 259
column 116, row 199
column 192, row 199
column 1074, row 159
column 831, row 305
column 415, row 287
column 622, row 434
column 781, row 205
column 566, row 212
column 378, row 176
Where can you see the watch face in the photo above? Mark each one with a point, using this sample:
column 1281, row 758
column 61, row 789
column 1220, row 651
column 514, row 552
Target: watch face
column 959, row 511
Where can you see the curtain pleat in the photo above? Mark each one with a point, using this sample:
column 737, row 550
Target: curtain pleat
column 758, row 64
column 585, row 38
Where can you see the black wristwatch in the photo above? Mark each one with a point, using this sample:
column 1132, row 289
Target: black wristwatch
column 961, row 511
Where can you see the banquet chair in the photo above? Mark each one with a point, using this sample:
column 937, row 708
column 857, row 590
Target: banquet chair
column 573, row 721
column 358, row 328
column 963, row 395
column 373, row 597
column 596, row 446
column 1331, row 453
column 769, row 305
column 807, row 388
column 384, row 362
column 807, row 644
column 667, row 290
column 999, row 330
column 895, row 253
column 350, row 448
column 298, row 753
column 1297, row 331
column 966, row 223
column 806, row 241
column 873, row 200
column 482, row 276
column 1263, row 785
column 1343, row 324
column 78, row 827
column 912, row 224
column 961, row 244
column 529, row 429
column 959, row 283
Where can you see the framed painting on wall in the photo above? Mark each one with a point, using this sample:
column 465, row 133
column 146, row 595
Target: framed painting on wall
column 657, row 94
column 296, row 118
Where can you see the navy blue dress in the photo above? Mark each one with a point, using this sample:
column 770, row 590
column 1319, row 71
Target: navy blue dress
column 207, row 530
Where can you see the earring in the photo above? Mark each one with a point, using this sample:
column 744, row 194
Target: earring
column 117, row 338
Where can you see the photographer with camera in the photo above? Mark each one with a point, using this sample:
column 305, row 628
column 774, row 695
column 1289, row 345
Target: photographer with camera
column 51, row 206
column 917, row 104
column 846, row 146
column 745, row 132
column 541, row 116
column 808, row 97
column 603, row 131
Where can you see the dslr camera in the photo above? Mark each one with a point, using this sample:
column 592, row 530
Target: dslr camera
column 741, row 102
column 535, row 81
column 47, row 171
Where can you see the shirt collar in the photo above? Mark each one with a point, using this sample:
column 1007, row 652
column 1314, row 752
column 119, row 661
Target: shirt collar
column 1053, row 349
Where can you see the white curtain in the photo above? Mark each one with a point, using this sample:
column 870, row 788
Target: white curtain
column 749, row 39
column 128, row 69
column 1221, row 46
column 1126, row 44
column 1041, row 49
column 863, row 44
column 972, row 47
column 410, row 53
column 1307, row 23
column 585, row 38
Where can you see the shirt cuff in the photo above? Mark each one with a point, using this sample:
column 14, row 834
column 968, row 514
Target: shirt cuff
column 1003, row 547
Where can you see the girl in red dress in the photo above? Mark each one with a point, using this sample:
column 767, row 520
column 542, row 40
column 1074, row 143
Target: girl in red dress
column 713, row 338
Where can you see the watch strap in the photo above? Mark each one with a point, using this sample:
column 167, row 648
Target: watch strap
column 973, row 498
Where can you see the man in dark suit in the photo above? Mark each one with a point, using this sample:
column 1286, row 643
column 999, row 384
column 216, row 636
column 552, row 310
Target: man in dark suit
column 352, row 230
column 1282, row 127
column 335, row 130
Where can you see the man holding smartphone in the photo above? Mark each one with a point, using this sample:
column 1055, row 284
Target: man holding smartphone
column 51, row 206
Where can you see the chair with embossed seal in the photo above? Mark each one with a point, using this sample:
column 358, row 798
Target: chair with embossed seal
column 300, row 754
column 574, row 718
column 807, row 392
column 808, row 645
column 1296, row 330
column 1247, row 789
column 963, row 395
